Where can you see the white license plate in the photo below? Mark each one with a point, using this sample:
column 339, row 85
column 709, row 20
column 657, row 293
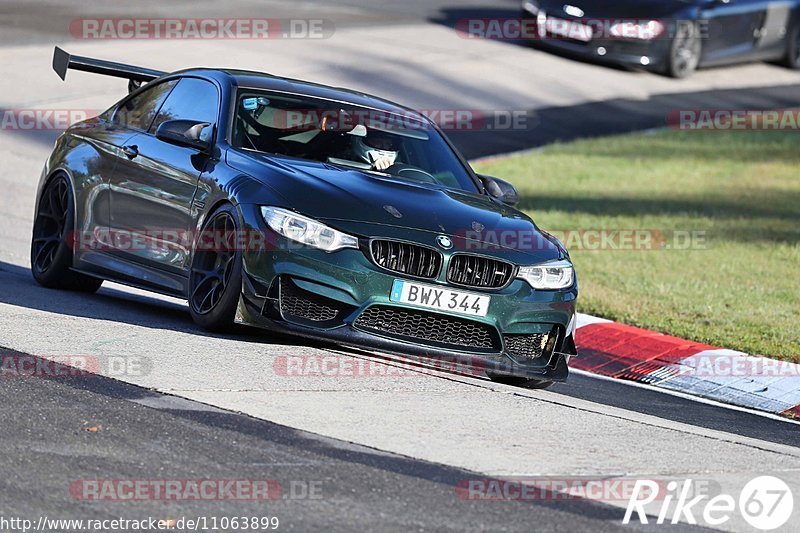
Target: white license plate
column 569, row 29
column 440, row 298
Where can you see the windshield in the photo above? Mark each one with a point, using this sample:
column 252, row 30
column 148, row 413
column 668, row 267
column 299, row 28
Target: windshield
column 347, row 136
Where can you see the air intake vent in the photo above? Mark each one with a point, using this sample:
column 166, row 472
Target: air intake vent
column 406, row 258
column 532, row 347
column 429, row 328
column 477, row 271
column 527, row 346
column 298, row 303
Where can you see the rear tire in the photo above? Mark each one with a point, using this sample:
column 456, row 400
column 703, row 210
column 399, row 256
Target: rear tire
column 792, row 59
column 215, row 279
column 525, row 383
column 51, row 249
column 684, row 53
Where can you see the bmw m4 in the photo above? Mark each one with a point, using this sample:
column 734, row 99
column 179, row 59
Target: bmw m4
column 303, row 209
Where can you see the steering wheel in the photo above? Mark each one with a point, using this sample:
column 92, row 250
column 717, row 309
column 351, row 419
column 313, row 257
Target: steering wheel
column 411, row 172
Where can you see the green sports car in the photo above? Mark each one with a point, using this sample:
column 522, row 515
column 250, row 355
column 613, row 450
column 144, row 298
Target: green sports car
column 303, row 209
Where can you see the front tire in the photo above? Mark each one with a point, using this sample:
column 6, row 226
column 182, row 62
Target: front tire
column 51, row 251
column 792, row 59
column 215, row 279
column 684, row 54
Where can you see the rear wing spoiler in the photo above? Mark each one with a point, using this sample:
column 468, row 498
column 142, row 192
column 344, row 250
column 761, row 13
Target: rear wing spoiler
column 136, row 76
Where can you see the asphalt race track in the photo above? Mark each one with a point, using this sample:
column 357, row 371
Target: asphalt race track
column 385, row 449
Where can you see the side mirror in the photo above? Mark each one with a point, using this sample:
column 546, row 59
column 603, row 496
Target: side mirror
column 500, row 189
column 185, row 133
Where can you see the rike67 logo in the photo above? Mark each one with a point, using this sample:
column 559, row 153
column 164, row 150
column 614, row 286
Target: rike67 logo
column 766, row 503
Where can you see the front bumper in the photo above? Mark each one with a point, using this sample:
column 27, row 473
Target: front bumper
column 648, row 54
column 336, row 289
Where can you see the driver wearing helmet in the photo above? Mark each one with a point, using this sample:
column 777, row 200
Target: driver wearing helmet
column 378, row 148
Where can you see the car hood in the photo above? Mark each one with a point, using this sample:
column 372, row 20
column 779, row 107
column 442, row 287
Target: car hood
column 370, row 205
column 628, row 9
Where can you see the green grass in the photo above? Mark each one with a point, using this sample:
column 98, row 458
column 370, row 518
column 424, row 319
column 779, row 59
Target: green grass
column 739, row 289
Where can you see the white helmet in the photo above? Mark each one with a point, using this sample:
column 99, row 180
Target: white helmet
column 375, row 145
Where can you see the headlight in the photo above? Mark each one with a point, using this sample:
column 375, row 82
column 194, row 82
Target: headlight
column 644, row 30
column 531, row 6
column 306, row 230
column 553, row 275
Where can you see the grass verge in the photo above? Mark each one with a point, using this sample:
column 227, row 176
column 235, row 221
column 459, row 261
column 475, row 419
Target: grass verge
column 727, row 270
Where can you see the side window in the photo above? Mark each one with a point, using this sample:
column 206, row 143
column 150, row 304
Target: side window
column 138, row 112
column 192, row 99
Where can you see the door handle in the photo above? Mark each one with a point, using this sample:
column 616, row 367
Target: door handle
column 130, row 151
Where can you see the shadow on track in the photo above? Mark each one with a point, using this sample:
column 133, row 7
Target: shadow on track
column 656, row 403
column 110, row 304
column 45, row 422
column 115, row 305
column 615, row 116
